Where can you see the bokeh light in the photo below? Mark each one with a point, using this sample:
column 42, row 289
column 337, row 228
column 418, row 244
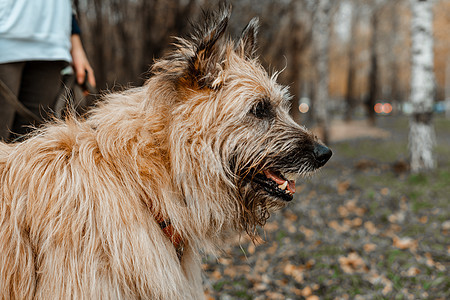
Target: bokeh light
column 303, row 108
column 383, row 108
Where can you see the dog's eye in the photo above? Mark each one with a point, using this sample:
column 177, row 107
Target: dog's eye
column 262, row 109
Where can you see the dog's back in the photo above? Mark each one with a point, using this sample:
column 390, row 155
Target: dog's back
column 17, row 272
column 4, row 151
column 72, row 226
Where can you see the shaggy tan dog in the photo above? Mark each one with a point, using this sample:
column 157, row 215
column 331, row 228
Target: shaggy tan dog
column 120, row 204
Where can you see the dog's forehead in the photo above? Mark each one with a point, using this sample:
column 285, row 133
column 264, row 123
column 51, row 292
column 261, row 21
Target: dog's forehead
column 252, row 81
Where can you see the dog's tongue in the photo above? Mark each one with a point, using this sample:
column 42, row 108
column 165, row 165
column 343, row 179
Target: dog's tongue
column 271, row 175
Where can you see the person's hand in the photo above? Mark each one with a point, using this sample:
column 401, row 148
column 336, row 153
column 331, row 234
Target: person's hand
column 80, row 62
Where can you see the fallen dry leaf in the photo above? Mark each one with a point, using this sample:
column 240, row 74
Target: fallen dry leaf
column 364, row 164
column 216, row 275
column 272, row 249
column 352, row 263
column 275, row 296
column 387, row 288
column 307, row 291
column 313, row 213
column 370, row 227
column 295, row 272
column 356, row 222
column 296, row 291
column 351, row 207
column 261, row 267
column 405, row 243
column 310, row 263
column 251, row 248
column 291, row 228
column 400, row 167
column 398, row 217
column 225, row 261
column 288, row 268
column 446, row 227
column 208, row 296
column 281, row 283
column 230, row 272
column 412, row 271
column 429, row 260
column 369, row 247
column 290, row 216
column 307, row 232
column 342, row 187
column 375, row 279
column 343, row 211
column 339, row 228
column 271, row 226
column 423, row 219
column 384, row 191
column 260, row 286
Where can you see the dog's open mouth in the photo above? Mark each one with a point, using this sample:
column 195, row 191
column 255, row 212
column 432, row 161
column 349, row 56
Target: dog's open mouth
column 276, row 184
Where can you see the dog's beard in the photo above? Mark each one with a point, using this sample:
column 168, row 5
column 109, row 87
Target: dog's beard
column 269, row 186
column 256, row 207
column 260, row 193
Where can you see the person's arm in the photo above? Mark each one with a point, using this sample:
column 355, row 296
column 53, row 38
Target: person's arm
column 80, row 62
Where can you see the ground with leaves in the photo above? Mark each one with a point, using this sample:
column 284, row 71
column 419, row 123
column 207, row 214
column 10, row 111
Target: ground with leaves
column 363, row 228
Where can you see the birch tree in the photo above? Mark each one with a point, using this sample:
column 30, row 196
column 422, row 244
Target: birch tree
column 421, row 130
column 320, row 34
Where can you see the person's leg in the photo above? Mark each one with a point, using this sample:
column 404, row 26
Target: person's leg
column 41, row 84
column 11, row 76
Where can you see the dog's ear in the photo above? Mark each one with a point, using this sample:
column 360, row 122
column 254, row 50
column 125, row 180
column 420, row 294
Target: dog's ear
column 247, row 43
column 204, row 65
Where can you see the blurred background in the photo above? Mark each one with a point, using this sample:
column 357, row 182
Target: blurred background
column 369, row 42
column 367, row 226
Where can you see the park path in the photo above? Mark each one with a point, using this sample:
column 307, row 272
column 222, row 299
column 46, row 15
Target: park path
column 343, row 131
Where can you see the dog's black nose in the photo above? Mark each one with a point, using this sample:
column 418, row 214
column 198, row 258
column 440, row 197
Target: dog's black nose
column 322, row 154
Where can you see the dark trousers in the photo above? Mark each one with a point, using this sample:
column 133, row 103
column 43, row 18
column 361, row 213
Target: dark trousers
column 37, row 85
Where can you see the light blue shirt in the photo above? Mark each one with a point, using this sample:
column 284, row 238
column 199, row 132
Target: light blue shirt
column 35, row 30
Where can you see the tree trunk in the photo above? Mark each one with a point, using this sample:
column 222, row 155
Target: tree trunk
column 447, row 89
column 321, row 32
column 421, row 130
column 295, row 69
column 393, row 57
column 121, row 12
column 350, row 97
column 99, row 45
column 296, row 38
column 373, row 72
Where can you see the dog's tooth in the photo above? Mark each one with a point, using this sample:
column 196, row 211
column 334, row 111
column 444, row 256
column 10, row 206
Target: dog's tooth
column 283, row 186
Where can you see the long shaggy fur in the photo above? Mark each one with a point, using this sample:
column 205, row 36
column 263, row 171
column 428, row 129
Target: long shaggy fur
column 80, row 200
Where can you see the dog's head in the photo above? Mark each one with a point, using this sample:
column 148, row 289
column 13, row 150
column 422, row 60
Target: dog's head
column 231, row 132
